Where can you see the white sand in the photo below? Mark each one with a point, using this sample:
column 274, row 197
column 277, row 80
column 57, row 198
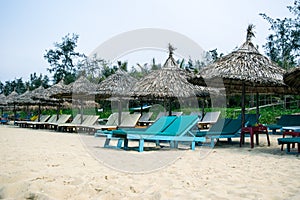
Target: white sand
column 38, row 164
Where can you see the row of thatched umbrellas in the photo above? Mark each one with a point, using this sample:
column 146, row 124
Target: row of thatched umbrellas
column 243, row 70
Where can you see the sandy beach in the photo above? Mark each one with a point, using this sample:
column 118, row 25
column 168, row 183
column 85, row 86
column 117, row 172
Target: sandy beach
column 42, row 164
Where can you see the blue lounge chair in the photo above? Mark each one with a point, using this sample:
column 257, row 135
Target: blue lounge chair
column 288, row 141
column 285, row 121
column 121, row 134
column 223, row 128
column 178, row 131
column 4, row 119
column 168, row 128
column 250, row 119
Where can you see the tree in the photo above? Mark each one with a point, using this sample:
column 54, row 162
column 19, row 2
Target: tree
column 15, row 85
column 1, row 87
column 36, row 81
column 283, row 45
column 62, row 59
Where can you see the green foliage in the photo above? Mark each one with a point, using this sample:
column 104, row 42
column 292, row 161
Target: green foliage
column 62, row 59
column 15, row 85
column 36, row 81
column 283, row 45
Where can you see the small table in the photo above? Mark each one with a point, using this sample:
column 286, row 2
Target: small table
column 254, row 130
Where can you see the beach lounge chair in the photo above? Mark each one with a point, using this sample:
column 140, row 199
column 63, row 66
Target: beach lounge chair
column 144, row 119
column 250, row 119
column 223, row 128
column 288, row 141
column 200, row 114
column 70, row 126
column 35, row 124
column 127, row 121
column 61, row 120
column 160, row 114
column 42, row 124
column 4, row 118
column 284, row 122
column 209, row 119
column 177, row 131
column 170, row 129
column 90, row 120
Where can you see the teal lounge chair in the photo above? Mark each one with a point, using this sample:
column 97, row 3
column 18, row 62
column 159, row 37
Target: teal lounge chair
column 250, row 119
column 285, row 121
column 177, row 131
column 288, row 141
column 223, row 128
column 161, row 124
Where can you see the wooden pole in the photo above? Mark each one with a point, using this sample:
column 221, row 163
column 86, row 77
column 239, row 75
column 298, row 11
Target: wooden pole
column 243, row 103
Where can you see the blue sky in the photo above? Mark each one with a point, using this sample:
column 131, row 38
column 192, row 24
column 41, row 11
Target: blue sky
column 30, row 27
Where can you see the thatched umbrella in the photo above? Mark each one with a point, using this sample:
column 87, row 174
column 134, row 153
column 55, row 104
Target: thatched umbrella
column 12, row 99
column 116, row 87
column 3, row 102
column 80, row 90
column 292, row 78
column 244, row 70
column 169, row 82
column 59, row 88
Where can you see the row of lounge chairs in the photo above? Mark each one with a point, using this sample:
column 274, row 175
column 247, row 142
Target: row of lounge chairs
column 176, row 129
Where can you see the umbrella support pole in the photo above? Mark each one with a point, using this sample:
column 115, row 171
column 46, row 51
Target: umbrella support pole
column 257, row 108
column 243, row 103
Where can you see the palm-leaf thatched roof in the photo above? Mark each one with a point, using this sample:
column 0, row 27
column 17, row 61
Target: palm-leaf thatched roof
column 244, row 65
column 292, row 78
column 3, row 100
column 116, row 85
column 79, row 88
column 56, row 89
column 12, row 97
column 168, row 82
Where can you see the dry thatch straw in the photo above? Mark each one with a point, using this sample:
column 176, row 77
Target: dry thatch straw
column 292, row 78
column 12, row 97
column 3, row 101
column 80, row 88
column 168, row 82
column 245, row 65
column 58, row 88
column 116, row 85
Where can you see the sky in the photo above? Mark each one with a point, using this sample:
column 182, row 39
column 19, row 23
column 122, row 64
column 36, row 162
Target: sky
column 29, row 28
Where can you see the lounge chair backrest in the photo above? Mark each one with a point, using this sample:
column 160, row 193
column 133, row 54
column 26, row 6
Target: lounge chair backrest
column 233, row 126
column 63, row 119
column 130, row 120
column 52, row 119
column 289, row 120
column 219, row 125
column 161, row 124
column 112, row 120
column 177, row 113
column 90, row 120
column 44, row 118
column 250, row 119
column 181, row 125
column 200, row 114
column 160, row 114
column 77, row 119
column 145, row 116
column 211, row 116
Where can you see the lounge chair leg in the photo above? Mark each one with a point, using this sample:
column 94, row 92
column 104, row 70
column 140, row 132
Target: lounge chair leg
column 212, row 142
column 193, row 145
column 119, row 145
column 141, row 145
column 126, row 144
column 107, row 141
column 288, row 148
